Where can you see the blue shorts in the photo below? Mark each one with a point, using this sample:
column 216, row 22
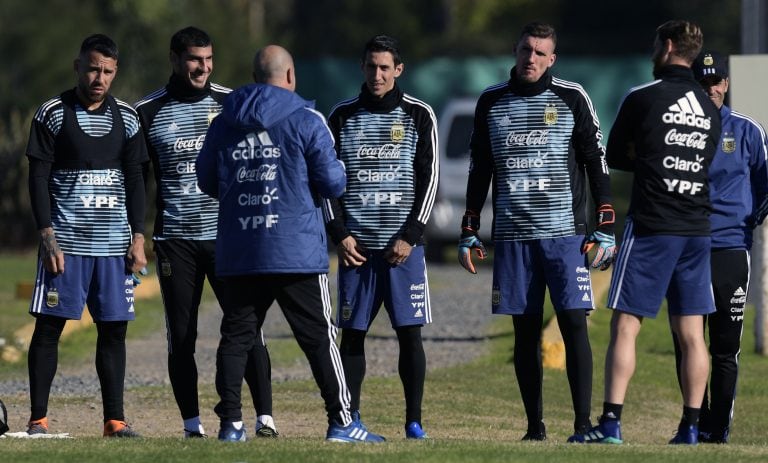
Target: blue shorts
column 403, row 289
column 523, row 269
column 104, row 283
column 648, row 268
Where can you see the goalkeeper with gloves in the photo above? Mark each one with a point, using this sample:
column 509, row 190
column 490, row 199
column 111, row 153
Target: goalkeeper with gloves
column 537, row 138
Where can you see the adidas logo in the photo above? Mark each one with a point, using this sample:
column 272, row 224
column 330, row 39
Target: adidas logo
column 585, row 297
column 173, row 127
column 739, row 292
column 418, row 313
column 687, row 111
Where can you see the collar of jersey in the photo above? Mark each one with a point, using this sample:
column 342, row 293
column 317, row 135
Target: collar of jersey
column 387, row 103
column 180, row 91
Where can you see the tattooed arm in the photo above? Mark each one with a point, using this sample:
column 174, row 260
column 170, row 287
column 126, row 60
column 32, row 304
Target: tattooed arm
column 50, row 252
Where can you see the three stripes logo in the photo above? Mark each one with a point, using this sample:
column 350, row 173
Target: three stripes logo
column 687, row 111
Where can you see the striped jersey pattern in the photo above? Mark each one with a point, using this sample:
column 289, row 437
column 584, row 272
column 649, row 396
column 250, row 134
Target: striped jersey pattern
column 88, row 206
column 177, row 133
column 530, row 139
column 378, row 152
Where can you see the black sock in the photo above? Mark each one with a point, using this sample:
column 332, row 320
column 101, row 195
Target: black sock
column 352, row 351
column 611, row 411
column 528, row 369
column 690, row 416
column 412, row 366
column 42, row 362
column 110, row 367
column 578, row 361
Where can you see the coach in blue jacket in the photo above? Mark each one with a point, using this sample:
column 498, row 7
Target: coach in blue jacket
column 738, row 189
column 269, row 159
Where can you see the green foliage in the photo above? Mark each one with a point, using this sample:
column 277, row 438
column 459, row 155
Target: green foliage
column 41, row 38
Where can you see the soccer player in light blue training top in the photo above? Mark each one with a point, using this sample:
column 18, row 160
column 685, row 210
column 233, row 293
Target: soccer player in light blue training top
column 538, row 138
column 85, row 155
column 175, row 120
column 388, row 141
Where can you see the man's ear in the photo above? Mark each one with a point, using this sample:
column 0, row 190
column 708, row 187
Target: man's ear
column 399, row 69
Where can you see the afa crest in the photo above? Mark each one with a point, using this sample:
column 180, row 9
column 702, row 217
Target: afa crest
column 550, row 114
column 728, row 145
column 211, row 116
column 52, row 298
column 397, row 132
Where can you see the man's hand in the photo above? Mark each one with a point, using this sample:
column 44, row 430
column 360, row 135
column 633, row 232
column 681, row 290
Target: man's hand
column 135, row 258
column 398, row 253
column 603, row 237
column 606, row 249
column 466, row 246
column 469, row 241
column 350, row 253
column 50, row 252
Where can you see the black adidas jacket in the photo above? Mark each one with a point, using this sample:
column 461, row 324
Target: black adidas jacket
column 666, row 132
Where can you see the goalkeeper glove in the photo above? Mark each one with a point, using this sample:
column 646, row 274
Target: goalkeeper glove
column 136, row 278
column 603, row 237
column 470, row 242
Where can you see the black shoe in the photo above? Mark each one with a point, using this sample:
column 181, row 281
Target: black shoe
column 536, row 434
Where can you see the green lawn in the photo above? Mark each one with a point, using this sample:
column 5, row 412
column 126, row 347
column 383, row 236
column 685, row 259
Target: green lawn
column 473, row 413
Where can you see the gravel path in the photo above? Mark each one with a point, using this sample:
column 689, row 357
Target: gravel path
column 460, row 312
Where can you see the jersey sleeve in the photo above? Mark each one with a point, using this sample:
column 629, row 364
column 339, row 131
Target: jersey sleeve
column 589, row 150
column 758, row 149
column 326, row 172
column 620, row 152
column 206, row 165
column 426, row 172
column 333, row 210
column 134, row 158
column 42, row 134
column 481, row 161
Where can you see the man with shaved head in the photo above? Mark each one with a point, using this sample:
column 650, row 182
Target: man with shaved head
column 269, row 160
column 175, row 120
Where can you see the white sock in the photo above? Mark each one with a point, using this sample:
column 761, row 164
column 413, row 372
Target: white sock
column 237, row 425
column 193, row 424
column 265, row 420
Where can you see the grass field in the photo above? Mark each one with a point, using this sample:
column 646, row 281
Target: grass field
column 473, row 412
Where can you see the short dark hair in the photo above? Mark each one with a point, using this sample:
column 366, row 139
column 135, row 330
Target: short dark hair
column 190, row 36
column 540, row 31
column 383, row 43
column 100, row 43
column 685, row 35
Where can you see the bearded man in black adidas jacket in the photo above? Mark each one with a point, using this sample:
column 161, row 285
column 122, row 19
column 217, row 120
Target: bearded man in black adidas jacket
column 666, row 133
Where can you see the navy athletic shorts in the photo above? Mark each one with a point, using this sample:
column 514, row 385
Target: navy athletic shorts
column 104, row 283
column 402, row 288
column 648, row 268
column 522, row 270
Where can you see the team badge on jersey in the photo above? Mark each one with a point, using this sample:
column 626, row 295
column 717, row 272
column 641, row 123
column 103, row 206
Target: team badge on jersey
column 212, row 115
column 52, row 298
column 495, row 296
column 729, row 143
column 397, row 132
column 550, row 115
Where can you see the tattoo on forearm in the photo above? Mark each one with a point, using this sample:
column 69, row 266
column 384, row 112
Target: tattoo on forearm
column 50, row 246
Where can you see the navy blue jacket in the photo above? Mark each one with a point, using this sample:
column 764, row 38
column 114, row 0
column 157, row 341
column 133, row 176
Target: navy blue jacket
column 269, row 159
column 738, row 181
